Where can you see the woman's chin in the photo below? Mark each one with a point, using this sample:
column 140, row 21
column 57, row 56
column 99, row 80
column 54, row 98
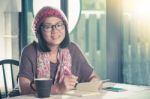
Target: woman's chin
column 54, row 43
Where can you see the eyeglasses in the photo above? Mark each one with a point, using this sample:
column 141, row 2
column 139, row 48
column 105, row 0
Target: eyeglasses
column 48, row 27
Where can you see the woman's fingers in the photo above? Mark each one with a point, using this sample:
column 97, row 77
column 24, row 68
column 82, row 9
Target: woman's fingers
column 70, row 81
column 73, row 79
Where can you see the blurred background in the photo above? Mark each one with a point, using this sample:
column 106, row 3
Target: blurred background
column 114, row 35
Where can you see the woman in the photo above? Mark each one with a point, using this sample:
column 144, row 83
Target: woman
column 53, row 56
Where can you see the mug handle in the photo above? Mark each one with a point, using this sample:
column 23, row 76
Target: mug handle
column 31, row 85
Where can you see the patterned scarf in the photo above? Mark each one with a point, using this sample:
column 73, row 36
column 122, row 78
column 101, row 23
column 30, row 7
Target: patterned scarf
column 64, row 67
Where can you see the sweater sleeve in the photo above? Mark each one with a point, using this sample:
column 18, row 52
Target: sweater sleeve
column 27, row 63
column 80, row 65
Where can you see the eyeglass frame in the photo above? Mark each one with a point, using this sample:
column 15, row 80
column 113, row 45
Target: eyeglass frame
column 52, row 27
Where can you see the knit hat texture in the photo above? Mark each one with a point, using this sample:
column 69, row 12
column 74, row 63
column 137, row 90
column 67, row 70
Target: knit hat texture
column 45, row 12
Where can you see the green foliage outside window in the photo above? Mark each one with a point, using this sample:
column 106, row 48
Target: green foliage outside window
column 93, row 4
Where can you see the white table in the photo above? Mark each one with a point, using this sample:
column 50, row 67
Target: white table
column 133, row 92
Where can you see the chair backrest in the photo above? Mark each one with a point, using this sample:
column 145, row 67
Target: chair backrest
column 11, row 63
column 0, row 94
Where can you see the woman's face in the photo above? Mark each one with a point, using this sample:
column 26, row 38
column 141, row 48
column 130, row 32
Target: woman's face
column 53, row 30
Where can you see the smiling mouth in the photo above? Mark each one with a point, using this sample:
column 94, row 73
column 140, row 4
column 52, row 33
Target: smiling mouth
column 54, row 37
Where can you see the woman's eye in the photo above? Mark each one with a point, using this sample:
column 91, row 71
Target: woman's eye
column 58, row 25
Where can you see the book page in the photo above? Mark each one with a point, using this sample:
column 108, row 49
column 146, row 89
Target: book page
column 86, row 89
column 89, row 86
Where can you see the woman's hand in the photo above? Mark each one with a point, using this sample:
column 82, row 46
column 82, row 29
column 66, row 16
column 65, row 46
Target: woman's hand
column 24, row 86
column 93, row 77
column 69, row 82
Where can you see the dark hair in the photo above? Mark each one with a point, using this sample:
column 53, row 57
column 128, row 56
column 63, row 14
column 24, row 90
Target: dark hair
column 43, row 45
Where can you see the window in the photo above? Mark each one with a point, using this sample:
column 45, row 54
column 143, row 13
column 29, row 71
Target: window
column 90, row 34
column 136, row 41
column 9, row 31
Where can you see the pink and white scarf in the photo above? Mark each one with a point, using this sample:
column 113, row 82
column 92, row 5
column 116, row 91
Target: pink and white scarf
column 64, row 67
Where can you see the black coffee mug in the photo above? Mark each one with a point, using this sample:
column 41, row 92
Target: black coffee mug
column 43, row 87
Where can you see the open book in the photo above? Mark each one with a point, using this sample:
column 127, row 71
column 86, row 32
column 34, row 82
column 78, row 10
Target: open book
column 86, row 89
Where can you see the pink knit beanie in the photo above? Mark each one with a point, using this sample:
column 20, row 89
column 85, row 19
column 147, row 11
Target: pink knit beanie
column 47, row 12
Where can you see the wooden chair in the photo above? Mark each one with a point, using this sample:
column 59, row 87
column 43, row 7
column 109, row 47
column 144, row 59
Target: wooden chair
column 5, row 63
column 0, row 94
